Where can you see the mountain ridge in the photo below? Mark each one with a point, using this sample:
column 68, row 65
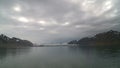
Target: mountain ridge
column 7, row 42
column 106, row 38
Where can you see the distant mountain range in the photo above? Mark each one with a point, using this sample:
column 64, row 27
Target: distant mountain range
column 7, row 42
column 106, row 38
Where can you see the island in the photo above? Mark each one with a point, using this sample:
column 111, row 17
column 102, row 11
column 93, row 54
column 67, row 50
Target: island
column 7, row 42
column 109, row 38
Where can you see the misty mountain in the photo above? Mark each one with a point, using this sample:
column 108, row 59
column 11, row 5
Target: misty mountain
column 13, row 42
column 106, row 38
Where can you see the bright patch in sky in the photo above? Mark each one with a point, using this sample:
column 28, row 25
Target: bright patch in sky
column 17, row 8
column 23, row 19
column 66, row 24
column 43, row 23
column 107, row 5
column 94, row 8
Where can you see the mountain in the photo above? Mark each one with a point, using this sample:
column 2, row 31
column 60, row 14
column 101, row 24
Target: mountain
column 106, row 38
column 7, row 42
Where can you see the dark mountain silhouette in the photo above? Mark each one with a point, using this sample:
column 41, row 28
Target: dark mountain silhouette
column 106, row 38
column 7, row 42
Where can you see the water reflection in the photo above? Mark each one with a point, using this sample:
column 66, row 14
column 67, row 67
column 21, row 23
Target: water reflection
column 4, row 52
column 99, row 51
column 98, row 57
column 61, row 57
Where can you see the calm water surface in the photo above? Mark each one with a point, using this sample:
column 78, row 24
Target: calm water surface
column 60, row 57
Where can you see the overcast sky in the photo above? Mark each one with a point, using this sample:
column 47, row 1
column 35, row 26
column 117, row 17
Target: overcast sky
column 54, row 21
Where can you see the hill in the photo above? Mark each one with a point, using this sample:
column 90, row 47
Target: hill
column 106, row 38
column 7, row 42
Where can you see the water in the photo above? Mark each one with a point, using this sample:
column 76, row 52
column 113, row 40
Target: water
column 60, row 57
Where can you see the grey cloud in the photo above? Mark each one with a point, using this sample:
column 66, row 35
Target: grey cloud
column 58, row 11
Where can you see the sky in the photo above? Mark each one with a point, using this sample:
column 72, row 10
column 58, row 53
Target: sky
column 57, row 21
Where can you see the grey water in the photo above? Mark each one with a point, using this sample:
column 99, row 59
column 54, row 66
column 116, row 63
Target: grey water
column 60, row 57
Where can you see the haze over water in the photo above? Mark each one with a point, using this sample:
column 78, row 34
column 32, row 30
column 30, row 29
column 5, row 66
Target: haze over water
column 60, row 57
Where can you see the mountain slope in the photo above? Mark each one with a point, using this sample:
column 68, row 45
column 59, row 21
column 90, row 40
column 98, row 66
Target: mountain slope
column 106, row 38
column 13, row 42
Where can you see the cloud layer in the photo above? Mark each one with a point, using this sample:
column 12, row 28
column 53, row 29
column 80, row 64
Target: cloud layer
column 53, row 21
